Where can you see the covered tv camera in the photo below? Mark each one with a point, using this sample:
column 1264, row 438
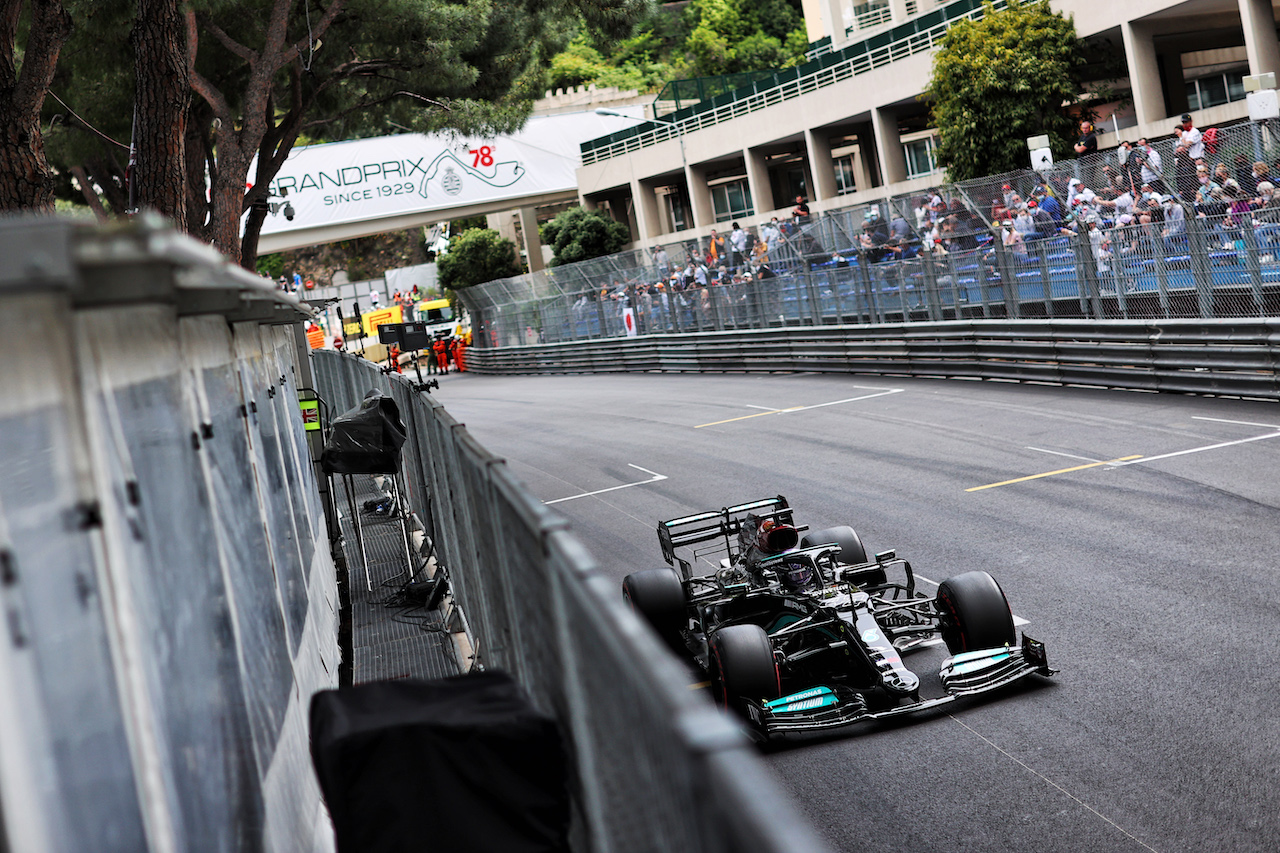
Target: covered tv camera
column 366, row 439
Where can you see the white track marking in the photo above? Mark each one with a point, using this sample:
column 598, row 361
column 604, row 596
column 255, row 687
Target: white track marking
column 1068, row 455
column 1018, row 621
column 653, row 479
column 787, row 411
column 1049, row 782
column 1200, row 449
column 1240, row 423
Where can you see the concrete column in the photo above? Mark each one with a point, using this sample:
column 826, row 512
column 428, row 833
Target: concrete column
column 1175, row 84
column 862, row 165
column 532, row 240
column 1260, row 44
column 893, row 160
column 1144, row 73
column 833, row 19
column 704, row 214
column 821, row 166
column 898, row 9
column 758, row 180
column 645, row 200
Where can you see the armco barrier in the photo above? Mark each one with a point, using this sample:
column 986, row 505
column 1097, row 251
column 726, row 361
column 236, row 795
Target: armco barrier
column 657, row 768
column 168, row 595
column 1225, row 357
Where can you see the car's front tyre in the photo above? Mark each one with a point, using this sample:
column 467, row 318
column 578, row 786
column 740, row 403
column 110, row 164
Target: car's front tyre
column 973, row 613
column 658, row 596
column 742, row 665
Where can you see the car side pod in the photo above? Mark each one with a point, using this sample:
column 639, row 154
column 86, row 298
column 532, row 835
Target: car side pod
column 988, row 669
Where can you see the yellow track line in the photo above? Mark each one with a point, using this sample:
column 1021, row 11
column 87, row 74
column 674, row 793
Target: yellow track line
column 1052, row 473
column 756, row 415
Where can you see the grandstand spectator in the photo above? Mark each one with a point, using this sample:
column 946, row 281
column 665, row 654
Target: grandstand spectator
column 737, row 247
column 1152, row 167
column 1011, row 239
column 874, row 237
column 1024, row 223
column 1088, row 141
column 759, row 255
column 921, row 210
column 1189, row 137
column 800, row 213
column 1130, row 164
column 1258, row 173
column 1184, row 169
column 662, row 261
column 1222, row 177
column 771, row 234
column 1048, row 203
column 1043, row 222
column 899, row 229
column 1207, row 203
column 715, row 249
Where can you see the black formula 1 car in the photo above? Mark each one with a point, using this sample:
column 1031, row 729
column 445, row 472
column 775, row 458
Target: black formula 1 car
column 805, row 633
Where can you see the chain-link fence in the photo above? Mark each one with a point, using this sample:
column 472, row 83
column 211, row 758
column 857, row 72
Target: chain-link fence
column 1145, row 231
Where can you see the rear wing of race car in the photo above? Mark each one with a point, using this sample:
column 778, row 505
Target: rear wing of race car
column 716, row 524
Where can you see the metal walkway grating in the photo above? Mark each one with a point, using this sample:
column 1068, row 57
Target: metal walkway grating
column 391, row 637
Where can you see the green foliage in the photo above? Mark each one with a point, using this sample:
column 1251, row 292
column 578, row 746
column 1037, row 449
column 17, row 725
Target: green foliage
column 272, row 266
column 1000, row 79
column 578, row 234
column 730, row 36
column 475, row 256
column 706, row 38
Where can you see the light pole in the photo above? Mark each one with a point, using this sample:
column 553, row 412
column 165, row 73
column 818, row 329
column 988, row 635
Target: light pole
column 684, row 162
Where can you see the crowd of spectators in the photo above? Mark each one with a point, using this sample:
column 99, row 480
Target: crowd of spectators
column 1132, row 202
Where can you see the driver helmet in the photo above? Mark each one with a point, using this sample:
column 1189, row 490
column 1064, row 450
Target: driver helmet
column 796, row 574
column 774, row 538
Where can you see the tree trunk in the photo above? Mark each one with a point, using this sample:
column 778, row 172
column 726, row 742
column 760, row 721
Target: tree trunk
column 252, row 231
column 90, row 197
column 227, row 195
column 161, row 91
column 26, row 183
column 198, row 145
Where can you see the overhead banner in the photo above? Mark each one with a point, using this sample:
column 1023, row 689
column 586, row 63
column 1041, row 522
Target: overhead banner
column 370, row 179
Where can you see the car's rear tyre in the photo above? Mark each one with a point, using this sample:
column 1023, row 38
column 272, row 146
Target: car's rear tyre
column 658, row 596
column 973, row 613
column 852, row 551
column 742, row 665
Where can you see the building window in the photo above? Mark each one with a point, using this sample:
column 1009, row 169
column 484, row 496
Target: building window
column 731, row 200
column 678, row 211
column 872, row 13
column 845, row 181
column 1216, row 90
column 920, row 157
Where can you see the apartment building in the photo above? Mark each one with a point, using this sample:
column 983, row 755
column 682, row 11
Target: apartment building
column 849, row 126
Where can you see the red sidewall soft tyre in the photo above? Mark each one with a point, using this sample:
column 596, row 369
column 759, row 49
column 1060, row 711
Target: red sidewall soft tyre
column 743, row 665
column 974, row 613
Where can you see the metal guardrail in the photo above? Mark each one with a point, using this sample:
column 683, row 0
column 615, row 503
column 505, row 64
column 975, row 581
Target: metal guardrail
column 1221, row 357
column 657, row 767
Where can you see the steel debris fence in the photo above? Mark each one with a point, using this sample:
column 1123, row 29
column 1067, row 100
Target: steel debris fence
column 1123, row 234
